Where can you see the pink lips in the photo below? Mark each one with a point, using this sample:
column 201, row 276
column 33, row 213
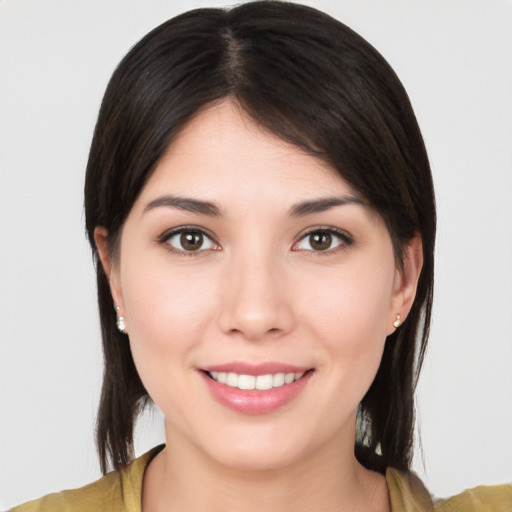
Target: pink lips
column 255, row 401
column 256, row 369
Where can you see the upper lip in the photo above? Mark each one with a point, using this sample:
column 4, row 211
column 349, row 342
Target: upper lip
column 245, row 368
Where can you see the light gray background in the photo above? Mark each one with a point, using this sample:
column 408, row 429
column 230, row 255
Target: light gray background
column 56, row 56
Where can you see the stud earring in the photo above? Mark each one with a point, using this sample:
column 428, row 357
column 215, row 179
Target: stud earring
column 121, row 324
column 397, row 323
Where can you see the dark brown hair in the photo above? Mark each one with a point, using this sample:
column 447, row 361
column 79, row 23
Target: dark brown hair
column 313, row 82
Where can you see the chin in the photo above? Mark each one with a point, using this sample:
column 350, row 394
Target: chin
column 257, row 459
column 260, row 449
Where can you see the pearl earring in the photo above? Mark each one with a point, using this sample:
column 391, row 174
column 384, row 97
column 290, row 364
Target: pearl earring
column 397, row 323
column 121, row 324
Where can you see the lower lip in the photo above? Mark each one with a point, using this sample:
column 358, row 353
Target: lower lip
column 253, row 401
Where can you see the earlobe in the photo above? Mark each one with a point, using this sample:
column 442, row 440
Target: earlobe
column 406, row 282
column 110, row 269
column 121, row 323
column 101, row 240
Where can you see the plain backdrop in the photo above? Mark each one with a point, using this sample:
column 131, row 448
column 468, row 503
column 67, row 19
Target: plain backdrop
column 454, row 58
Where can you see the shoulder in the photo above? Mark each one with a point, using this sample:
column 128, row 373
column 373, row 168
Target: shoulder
column 104, row 492
column 118, row 491
column 408, row 494
column 480, row 499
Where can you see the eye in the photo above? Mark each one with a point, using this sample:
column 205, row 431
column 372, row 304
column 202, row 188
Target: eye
column 323, row 240
column 188, row 240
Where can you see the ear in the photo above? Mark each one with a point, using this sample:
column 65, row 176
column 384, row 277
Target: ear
column 110, row 267
column 406, row 282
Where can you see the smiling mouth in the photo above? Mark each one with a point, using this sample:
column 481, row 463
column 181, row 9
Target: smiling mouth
column 253, row 382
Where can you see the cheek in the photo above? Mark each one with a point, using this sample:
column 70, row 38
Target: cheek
column 350, row 303
column 167, row 313
column 349, row 312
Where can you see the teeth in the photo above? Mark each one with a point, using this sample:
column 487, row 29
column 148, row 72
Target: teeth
column 261, row 382
column 264, row 382
column 232, row 380
column 278, row 380
column 246, row 382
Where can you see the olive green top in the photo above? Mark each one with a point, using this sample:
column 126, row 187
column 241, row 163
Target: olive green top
column 120, row 491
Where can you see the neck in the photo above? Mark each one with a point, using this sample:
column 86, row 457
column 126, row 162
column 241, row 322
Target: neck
column 181, row 477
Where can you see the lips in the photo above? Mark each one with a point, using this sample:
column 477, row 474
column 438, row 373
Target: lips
column 255, row 389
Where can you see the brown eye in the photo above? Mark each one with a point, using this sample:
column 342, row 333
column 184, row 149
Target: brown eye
column 191, row 240
column 323, row 240
column 320, row 241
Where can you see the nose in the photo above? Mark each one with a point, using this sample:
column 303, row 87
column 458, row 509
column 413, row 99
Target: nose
column 256, row 301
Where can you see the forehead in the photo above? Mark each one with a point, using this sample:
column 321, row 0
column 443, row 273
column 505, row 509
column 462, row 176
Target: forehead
column 223, row 153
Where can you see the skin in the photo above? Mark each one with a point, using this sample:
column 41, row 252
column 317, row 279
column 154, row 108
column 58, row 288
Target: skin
column 256, row 291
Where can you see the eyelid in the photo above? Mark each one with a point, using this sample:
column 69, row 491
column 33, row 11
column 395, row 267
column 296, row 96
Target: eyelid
column 345, row 237
column 169, row 233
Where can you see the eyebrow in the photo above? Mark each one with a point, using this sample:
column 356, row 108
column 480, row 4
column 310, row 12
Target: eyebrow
column 210, row 209
column 185, row 203
column 321, row 205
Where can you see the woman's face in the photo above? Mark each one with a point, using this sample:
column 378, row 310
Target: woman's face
column 247, row 263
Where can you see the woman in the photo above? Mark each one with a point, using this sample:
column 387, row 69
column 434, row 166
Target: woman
column 260, row 205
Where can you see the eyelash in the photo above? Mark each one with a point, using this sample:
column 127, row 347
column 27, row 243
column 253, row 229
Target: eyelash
column 345, row 240
column 164, row 238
